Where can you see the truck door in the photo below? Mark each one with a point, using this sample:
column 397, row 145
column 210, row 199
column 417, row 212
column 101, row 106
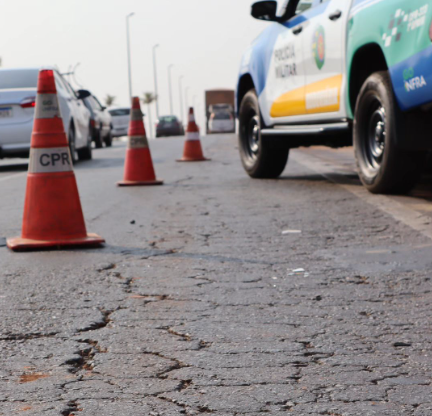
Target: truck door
column 285, row 88
column 325, row 62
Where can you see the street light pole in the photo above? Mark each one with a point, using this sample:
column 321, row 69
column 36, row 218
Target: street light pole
column 181, row 98
column 73, row 74
column 187, row 100
column 170, row 89
column 155, row 80
column 129, row 55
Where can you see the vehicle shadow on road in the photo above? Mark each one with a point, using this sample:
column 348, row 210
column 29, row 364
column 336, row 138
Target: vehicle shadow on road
column 305, row 178
column 423, row 190
column 16, row 167
column 348, row 178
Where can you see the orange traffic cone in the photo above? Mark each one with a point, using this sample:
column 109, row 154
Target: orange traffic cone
column 52, row 211
column 192, row 149
column 139, row 169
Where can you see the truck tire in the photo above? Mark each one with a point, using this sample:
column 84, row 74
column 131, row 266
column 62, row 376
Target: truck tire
column 72, row 148
column 382, row 166
column 97, row 137
column 108, row 140
column 86, row 152
column 259, row 159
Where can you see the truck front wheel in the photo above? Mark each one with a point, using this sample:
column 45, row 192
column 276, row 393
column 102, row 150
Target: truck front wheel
column 382, row 166
column 259, row 158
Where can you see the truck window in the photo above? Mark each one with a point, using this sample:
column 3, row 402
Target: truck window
column 282, row 9
column 303, row 5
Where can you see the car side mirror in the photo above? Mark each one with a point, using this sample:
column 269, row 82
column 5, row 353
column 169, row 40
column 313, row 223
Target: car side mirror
column 265, row 10
column 103, row 108
column 83, row 94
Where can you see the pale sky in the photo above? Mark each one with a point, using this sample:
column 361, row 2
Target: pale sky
column 204, row 39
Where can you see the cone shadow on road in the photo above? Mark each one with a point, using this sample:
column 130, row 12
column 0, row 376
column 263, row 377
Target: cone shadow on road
column 80, row 247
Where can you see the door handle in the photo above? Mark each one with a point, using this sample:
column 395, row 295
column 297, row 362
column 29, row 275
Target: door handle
column 336, row 15
column 298, row 30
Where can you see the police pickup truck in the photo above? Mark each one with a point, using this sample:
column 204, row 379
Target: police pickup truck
column 336, row 73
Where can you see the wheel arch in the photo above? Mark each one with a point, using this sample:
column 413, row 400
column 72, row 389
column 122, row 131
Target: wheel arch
column 366, row 60
column 245, row 84
column 72, row 125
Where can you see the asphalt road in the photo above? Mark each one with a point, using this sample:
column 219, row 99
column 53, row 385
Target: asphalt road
column 218, row 294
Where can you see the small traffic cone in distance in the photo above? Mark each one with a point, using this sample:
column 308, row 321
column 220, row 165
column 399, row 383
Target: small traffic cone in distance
column 139, row 170
column 52, row 210
column 192, row 151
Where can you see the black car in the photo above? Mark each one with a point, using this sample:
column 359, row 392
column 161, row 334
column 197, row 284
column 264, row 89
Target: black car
column 100, row 122
column 169, row 126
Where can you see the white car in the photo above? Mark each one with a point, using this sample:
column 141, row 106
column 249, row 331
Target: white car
column 221, row 122
column 17, row 104
column 120, row 120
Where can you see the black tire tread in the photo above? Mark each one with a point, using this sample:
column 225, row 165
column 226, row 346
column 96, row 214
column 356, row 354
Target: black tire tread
column 271, row 161
column 400, row 169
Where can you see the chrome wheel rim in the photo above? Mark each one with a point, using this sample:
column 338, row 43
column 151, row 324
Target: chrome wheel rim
column 253, row 136
column 72, row 146
column 376, row 135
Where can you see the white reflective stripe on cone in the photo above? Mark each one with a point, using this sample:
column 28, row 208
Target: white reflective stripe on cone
column 137, row 142
column 47, row 106
column 191, row 118
column 136, row 114
column 50, row 160
column 192, row 136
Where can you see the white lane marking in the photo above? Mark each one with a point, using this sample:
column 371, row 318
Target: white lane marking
column 6, row 178
column 379, row 252
column 286, row 232
column 398, row 211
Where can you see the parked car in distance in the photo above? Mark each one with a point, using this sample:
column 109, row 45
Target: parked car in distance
column 219, row 100
column 169, row 126
column 119, row 120
column 100, row 121
column 221, row 122
column 18, row 90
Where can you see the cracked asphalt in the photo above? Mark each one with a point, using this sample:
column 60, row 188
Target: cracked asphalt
column 218, row 294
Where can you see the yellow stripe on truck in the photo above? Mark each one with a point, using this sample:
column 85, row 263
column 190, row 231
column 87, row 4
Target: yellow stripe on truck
column 292, row 103
column 319, row 97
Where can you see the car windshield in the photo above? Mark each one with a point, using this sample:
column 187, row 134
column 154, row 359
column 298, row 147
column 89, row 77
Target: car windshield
column 93, row 103
column 221, row 116
column 21, row 78
column 120, row 112
column 303, row 5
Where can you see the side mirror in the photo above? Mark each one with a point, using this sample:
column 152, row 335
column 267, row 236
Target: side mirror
column 83, row 94
column 265, row 10
column 103, row 108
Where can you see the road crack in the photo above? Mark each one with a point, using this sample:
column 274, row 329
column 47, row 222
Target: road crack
column 105, row 320
column 71, row 409
column 27, row 337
